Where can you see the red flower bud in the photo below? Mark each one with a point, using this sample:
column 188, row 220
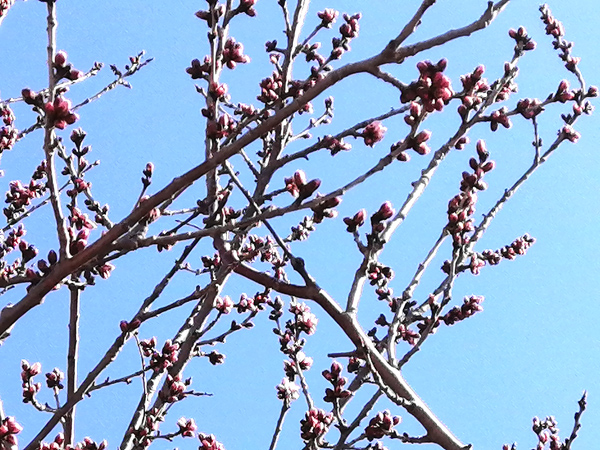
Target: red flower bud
column 60, row 59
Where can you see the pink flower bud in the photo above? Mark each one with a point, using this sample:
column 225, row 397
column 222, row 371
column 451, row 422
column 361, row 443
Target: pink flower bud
column 60, row 59
column 386, row 211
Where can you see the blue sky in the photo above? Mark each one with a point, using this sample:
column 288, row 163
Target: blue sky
column 532, row 351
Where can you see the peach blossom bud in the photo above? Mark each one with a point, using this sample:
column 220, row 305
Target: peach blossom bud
column 60, row 59
column 488, row 166
column 386, row 211
column 423, row 136
column 299, row 178
column 478, row 72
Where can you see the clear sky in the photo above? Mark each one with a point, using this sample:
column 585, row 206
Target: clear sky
column 533, row 350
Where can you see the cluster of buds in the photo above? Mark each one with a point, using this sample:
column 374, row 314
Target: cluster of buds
column 348, row 31
column 147, row 175
column 221, row 127
column 233, row 54
column 382, row 425
column 160, row 361
column 529, row 108
column 129, row 327
column 547, row 432
column 518, row 247
column 246, row 7
column 41, row 171
column 79, row 186
column 311, row 52
column 62, row 69
column 90, row 444
column 277, row 307
column 19, row 196
column 471, row 305
column 287, row 390
column 315, row 425
column 304, row 228
column 324, row 210
column 462, row 205
column 174, row 389
column 499, row 117
column 54, row 379
column 290, row 341
column 414, row 115
column 373, row 133
column 475, row 89
column 57, row 444
column 187, row 427
column 213, row 15
column 299, row 187
column 299, row 363
column 563, row 93
column 379, row 274
column 251, row 304
column 508, row 85
column 257, row 246
column 553, row 26
column 8, row 132
column 384, row 213
column 78, row 240
column 199, row 70
column 407, row 335
column 209, row 442
column 418, row 143
column 304, row 320
column 386, row 293
column 338, row 382
column 216, row 358
column 9, row 428
column 433, row 88
column 211, row 265
column 28, row 251
column 223, row 305
column 334, row 145
column 30, row 388
column 271, row 89
column 328, row 17
column 291, row 345
column 77, row 137
column 79, row 220
column 13, row 240
column 59, row 114
column 32, row 98
column 246, row 111
column 354, row 364
column 569, row 133
column 523, row 41
column 80, row 151
column 555, row 29
column 352, row 223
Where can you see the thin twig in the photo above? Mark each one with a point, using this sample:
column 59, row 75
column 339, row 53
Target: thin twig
column 108, row 382
column 577, row 425
column 72, row 359
column 285, row 407
column 50, row 137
